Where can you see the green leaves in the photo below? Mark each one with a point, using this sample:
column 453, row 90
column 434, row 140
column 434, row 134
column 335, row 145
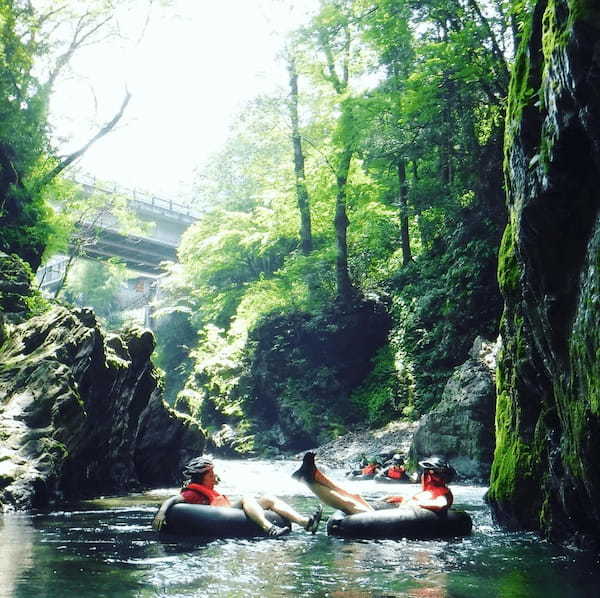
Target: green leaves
column 400, row 108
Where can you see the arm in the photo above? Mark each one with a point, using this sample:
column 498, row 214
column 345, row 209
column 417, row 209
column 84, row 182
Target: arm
column 160, row 517
column 424, row 500
column 439, row 503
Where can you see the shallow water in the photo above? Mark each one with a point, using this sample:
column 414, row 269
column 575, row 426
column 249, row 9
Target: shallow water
column 106, row 548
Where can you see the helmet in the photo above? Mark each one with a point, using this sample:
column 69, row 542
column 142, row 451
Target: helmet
column 439, row 466
column 197, row 467
column 398, row 458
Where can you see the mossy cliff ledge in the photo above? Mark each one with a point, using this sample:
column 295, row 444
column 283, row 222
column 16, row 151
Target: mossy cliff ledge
column 81, row 413
column 546, row 470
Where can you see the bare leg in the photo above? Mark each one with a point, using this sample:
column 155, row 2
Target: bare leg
column 272, row 503
column 255, row 511
column 329, row 492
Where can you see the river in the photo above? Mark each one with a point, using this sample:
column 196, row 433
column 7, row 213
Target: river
column 106, row 548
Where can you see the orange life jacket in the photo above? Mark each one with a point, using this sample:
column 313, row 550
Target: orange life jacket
column 369, row 469
column 436, row 488
column 396, row 472
column 214, row 498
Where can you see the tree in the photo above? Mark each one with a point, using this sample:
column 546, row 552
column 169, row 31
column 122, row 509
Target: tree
column 30, row 43
column 79, row 214
column 331, row 34
column 299, row 171
column 97, row 284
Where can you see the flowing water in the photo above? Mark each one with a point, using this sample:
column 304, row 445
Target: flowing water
column 106, row 548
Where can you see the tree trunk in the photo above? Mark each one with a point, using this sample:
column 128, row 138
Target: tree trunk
column 301, row 190
column 403, row 208
column 345, row 290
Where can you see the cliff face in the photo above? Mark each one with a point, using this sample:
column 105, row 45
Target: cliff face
column 546, row 471
column 81, row 413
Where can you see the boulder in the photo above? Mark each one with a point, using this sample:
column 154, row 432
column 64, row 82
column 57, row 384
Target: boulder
column 302, row 369
column 461, row 427
column 81, row 413
column 346, row 451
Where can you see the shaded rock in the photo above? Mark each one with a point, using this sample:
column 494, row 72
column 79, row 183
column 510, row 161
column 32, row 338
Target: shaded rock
column 303, row 368
column 546, row 471
column 72, row 404
column 165, row 441
column 461, row 427
column 15, row 288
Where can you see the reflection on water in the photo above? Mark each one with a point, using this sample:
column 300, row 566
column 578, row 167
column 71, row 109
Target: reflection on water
column 107, row 548
column 16, row 550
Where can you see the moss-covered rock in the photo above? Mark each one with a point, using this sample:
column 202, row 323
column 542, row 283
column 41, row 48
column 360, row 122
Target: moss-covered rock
column 82, row 414
column 291, row 388
column 546, row 474
column 18, row 299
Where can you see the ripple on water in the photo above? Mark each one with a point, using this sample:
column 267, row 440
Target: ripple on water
column 107, row 548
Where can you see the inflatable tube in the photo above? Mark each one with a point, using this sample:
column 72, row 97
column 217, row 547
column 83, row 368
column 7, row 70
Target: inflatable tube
column 406, row 522
column 386, row 480
column 215, row 522
column 359, row 476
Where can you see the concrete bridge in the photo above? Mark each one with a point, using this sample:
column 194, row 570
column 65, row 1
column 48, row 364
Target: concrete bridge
column 167, row 220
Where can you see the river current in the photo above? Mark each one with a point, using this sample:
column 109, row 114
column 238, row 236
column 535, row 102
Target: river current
column 106, row 548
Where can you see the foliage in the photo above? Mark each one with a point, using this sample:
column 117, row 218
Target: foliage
column 400, row 114
column 380, row 398
column 37, row 41
column 96, row 284
column 441, row 304
column 175, row 336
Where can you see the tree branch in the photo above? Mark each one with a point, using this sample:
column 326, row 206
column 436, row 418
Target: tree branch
column 109, row 126
column 80, row 36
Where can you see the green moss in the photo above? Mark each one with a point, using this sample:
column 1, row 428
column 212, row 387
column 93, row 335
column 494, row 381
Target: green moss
column 508, row 268
column 522, row 90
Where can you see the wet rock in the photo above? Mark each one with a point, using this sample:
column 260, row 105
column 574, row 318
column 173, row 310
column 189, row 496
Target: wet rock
column 77, row 413
column 461, row 427
column 546, row 472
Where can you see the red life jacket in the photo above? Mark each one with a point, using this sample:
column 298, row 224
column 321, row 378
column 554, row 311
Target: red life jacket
column 437, row 489
column 369, row 469
column 204, row 495
column 395, row 472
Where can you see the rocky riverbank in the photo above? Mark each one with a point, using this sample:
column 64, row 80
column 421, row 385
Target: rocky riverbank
column 81, row 409
column 348, row 449
column 460, row 428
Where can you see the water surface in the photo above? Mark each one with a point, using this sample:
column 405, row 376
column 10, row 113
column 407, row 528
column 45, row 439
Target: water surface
column 106, row 548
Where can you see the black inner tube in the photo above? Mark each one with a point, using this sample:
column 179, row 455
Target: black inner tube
column 216, row 522
column 405, row 522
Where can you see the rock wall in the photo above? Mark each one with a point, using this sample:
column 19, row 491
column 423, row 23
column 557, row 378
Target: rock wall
column 81, row 413
column 461, row 427
column 546, row 471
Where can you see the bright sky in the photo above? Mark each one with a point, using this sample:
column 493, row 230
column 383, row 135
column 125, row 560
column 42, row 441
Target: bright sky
column 197, row 63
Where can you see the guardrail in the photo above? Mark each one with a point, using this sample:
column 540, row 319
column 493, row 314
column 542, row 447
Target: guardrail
column 144, row 198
